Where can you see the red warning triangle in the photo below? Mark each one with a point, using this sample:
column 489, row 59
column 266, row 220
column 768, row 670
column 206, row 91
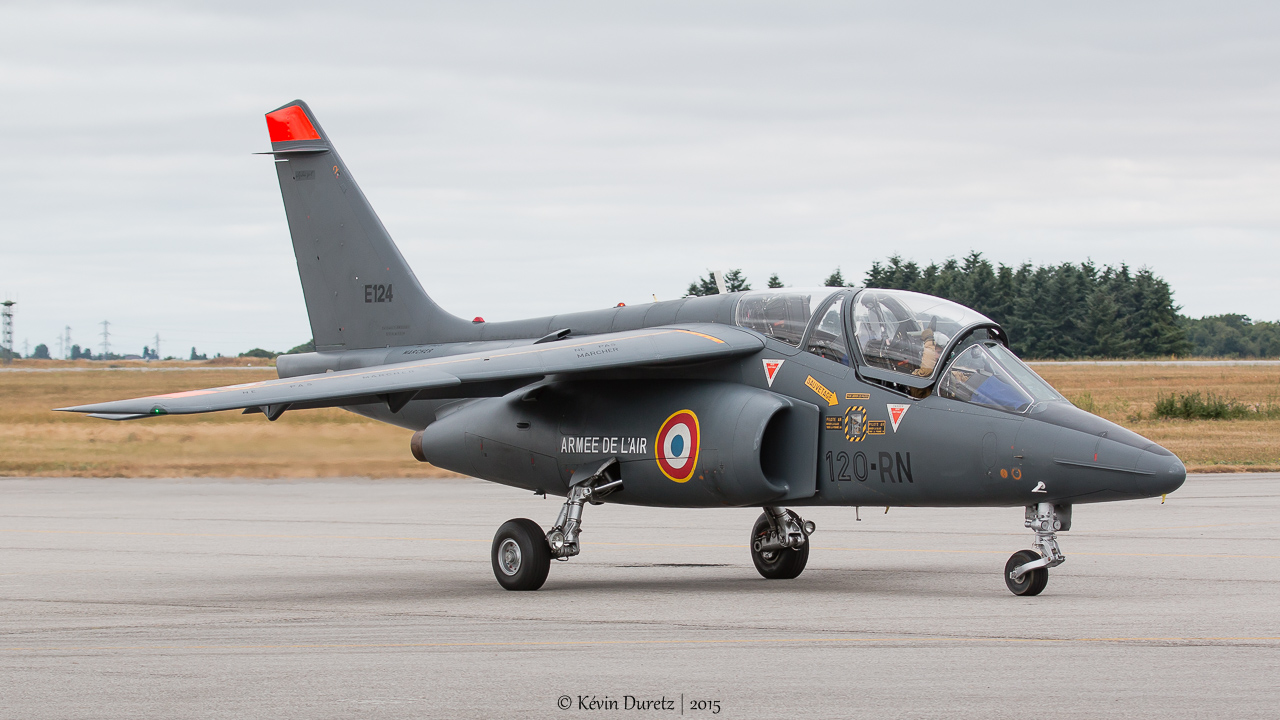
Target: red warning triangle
column 895, row 414
column 771, row 370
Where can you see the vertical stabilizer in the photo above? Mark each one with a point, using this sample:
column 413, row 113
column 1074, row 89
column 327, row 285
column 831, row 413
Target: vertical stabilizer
column 360, row 293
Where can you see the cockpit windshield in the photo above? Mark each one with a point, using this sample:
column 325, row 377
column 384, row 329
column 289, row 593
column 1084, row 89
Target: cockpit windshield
column 906, row 332
column 779, row 314
column 975, row 377
column 988, row 374
column 1033, row 383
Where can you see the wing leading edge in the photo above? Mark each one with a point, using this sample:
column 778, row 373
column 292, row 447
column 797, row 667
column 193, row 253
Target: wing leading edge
column 397, row 384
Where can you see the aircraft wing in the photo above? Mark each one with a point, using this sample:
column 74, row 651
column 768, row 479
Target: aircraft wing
column 398, row 384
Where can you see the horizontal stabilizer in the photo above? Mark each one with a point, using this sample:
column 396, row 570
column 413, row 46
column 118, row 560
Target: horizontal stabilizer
column 304, row 150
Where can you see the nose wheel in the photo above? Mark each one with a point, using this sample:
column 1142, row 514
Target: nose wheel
column 1031, row 582
column 780, row 544
column 1027, row 571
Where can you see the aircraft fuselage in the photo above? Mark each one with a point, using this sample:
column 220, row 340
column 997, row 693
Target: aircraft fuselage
column 872, row 445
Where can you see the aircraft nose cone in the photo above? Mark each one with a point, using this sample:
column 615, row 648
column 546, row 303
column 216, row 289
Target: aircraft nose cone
column 1167, row 473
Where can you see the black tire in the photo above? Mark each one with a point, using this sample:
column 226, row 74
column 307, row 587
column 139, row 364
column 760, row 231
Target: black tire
column 1031, row 583
column 520, row 554
column 777, row 564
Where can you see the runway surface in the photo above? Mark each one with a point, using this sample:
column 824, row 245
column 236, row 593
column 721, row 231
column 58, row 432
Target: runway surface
column 318, row 599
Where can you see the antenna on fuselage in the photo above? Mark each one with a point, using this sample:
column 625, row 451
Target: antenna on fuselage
column 719, row 278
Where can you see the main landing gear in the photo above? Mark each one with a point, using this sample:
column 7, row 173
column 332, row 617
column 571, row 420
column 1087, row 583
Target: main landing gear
column 521, row 553
column 1027, row 571
column 780, row 543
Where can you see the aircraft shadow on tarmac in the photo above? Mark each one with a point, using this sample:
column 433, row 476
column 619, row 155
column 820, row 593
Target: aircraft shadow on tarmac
column 362, row 589
column 907, row 583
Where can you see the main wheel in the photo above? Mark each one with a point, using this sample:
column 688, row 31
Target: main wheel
column 520, row 554
column 777, row 564
column 1031, row 583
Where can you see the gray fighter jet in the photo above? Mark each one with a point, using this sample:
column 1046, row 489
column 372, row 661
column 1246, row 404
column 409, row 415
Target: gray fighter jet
column 771, row 398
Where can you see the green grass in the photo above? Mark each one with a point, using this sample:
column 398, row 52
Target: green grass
column 1085, row 402
column 1209, row 406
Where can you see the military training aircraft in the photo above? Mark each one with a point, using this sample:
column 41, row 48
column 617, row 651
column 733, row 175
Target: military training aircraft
column 770, row 398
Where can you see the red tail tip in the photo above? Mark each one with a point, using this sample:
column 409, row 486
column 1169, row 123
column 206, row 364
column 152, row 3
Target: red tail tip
column 290, row 123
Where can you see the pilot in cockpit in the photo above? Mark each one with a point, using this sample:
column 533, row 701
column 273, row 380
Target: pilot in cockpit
column 929, row 353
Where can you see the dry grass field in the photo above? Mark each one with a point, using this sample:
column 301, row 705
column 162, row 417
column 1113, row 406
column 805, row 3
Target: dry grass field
column 334, row 443
column 1126, row 394
column 314, row 443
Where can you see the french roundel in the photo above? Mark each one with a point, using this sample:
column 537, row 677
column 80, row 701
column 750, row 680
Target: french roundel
column 677, row 446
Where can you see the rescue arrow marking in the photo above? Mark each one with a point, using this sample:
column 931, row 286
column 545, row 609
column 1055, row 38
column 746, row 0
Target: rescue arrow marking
column 824, row 393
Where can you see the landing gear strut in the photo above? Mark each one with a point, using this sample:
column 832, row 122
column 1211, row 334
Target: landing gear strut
column 780, row 543
column 521, row 553
column 1027, row 571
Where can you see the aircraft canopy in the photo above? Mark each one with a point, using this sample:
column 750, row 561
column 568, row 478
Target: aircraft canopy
column 905, row 331
column 780, row 314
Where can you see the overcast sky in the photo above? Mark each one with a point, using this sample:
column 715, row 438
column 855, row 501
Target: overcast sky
column 533, row 158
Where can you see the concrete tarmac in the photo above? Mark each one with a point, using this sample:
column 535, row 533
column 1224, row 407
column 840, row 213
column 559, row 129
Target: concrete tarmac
column 375, row 599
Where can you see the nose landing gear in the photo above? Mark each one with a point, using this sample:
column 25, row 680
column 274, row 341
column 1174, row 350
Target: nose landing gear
column 1027, row 571
column 780, row 543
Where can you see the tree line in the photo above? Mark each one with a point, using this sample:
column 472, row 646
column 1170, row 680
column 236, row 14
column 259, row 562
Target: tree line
column 1234, row 336
column 1063, row 311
